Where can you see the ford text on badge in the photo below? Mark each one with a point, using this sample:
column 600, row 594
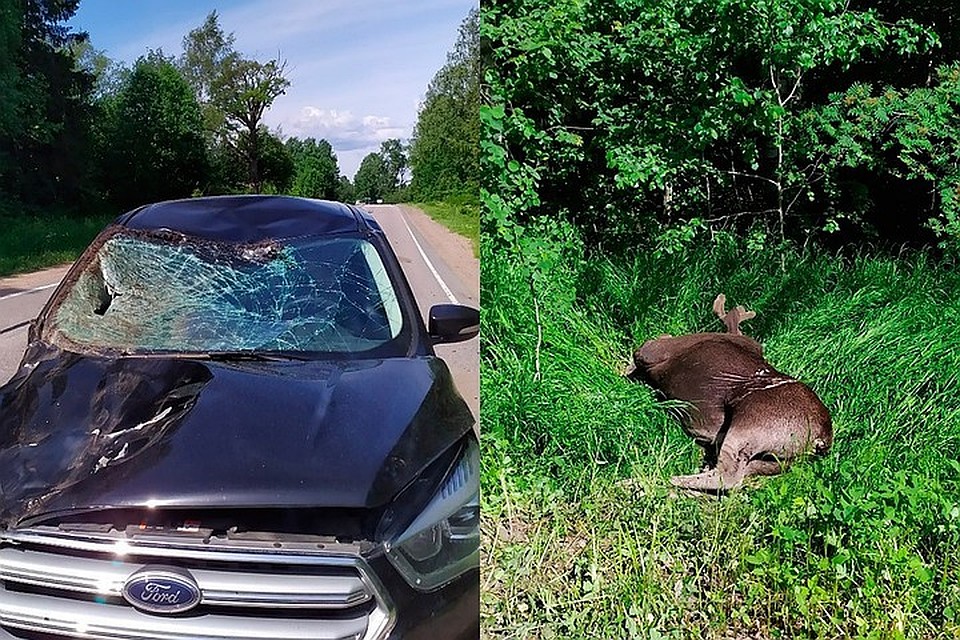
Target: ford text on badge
column 162, row 590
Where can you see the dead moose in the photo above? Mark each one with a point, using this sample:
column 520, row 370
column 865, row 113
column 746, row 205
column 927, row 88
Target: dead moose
column 749, row 418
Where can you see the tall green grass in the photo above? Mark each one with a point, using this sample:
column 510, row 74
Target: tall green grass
column 459, row 214
column 583, row 535
column 34, row 240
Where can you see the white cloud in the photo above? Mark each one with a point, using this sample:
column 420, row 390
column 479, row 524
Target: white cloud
column 350, row 136
column 344, row 130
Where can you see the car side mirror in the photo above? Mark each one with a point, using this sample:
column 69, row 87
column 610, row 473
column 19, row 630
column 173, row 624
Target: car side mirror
column 453, row 323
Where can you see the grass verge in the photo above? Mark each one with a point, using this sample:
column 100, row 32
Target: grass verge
column 583, row 535
column 34, row 241
column 460, row 217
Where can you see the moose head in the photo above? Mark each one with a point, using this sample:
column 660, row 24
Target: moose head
column 749, row 418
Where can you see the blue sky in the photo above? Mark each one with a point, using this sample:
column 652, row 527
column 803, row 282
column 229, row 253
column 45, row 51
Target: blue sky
column 358, row 68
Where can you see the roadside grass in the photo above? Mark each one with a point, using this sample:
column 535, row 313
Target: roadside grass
column 35, row 240
column 459, row 215
column 583, row 536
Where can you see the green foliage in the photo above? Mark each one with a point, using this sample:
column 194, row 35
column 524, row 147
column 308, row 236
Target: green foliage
column 345, row 190
column 275, row 164
column 395, row 162
column 38, row 238
column 234, row 92
column 243, row 90
column 901, row 134
column 372, row 180
column 316, row 172
column 228, row 172
column 44, row 108
column 10, row 18
column 109, row 76
column 444, row 150
column 635, row 117
column 586, row 537
column 205, row 52
column 153, row 136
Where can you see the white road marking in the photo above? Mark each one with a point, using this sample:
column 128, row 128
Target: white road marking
column 25, row 292
column 443, row 285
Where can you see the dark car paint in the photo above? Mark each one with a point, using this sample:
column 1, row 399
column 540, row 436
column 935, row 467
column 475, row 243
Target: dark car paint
column 85, row 431
column 245, row 219
column 450, row 613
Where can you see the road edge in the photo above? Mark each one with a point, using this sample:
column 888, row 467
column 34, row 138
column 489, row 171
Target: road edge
column 456, row 251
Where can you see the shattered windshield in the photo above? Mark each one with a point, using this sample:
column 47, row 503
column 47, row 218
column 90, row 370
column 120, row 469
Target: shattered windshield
column 164, row 291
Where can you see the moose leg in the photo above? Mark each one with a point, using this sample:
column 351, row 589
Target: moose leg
column 705, row 422
column 765, row 466
column 730, row 471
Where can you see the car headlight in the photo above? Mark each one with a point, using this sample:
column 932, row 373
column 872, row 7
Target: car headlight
column 443, row 542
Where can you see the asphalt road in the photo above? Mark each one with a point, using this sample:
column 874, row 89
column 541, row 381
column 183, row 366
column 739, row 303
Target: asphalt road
column 21, row 298
column 428, row 254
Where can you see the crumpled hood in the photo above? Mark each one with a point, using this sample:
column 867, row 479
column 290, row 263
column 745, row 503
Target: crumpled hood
column 80, row 432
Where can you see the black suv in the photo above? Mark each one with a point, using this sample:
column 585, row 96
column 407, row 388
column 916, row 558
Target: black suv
column 230, row 423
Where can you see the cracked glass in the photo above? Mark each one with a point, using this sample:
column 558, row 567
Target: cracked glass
column 146, row 291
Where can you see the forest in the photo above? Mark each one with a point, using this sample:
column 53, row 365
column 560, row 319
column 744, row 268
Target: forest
column 84, row 137
column 800, row 156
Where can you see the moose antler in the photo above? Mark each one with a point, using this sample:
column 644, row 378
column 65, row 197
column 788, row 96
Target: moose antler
column 732, row 318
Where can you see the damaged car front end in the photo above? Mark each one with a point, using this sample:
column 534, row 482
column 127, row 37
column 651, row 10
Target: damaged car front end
column 230, row 423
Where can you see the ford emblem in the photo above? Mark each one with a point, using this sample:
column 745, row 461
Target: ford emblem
column 159, row 589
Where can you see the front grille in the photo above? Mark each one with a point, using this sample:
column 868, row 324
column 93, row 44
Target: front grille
column 70, row 585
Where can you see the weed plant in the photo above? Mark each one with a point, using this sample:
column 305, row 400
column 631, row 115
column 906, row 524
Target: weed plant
column 584, row 537
column 37, row 240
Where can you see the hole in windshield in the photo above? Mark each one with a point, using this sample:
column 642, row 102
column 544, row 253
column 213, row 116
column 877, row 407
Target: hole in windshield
column 162, row 291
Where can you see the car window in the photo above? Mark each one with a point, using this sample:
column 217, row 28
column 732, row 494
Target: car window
column 173, row 293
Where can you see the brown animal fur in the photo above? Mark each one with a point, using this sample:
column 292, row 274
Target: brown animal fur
column 749, row 418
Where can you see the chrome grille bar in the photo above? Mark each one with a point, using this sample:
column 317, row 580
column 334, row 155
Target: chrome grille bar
column 78, row 619
column 214, row 549
column 226, row 588
column 69, row 583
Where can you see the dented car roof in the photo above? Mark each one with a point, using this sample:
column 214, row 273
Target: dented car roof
column 250, row 218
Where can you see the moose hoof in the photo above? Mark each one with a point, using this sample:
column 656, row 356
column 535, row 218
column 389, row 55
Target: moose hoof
column 710, row 481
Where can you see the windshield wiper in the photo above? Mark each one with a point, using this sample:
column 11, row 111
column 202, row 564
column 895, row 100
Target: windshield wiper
column 226, row 356
column 255, row 356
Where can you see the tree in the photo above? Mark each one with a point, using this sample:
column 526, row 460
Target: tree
column 234, row 93
column 445, row 148
column 345, row 190
column 315, row 168
column 109, row 76
column 156, row 141
column 10, row 18
column 395, row 159
column 276, row 165
column 244, row 90
column 372, row 178
column 44, row 108
column 205, row 51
